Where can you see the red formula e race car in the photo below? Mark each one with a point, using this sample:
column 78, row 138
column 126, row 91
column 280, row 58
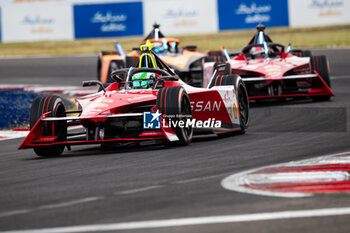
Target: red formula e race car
column 185, row 61
column 145, row 103
column 269, row 70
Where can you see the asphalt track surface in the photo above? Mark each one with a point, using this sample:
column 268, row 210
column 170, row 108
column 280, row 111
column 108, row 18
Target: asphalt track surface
column 88, row 186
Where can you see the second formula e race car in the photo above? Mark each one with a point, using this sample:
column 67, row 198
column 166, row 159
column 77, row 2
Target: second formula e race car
column 186, row 61
column 144, row 103
column 269, row 70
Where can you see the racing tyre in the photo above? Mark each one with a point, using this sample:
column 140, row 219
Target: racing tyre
column 53, row 104
column 320, row 65
column 99, row 65
column 174, row 101
column 241, row 93
column 301, row 53
column 306, row 53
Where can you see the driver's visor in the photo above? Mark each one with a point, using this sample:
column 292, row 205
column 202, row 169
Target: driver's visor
column 143, row 83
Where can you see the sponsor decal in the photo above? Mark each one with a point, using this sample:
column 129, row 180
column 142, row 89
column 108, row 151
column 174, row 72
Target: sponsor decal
column 187, row 17
column 181, row 16
column 38, row 23
column 319, row 12
column 42, row 22
column 100, row 105
column 321, row 4
column 140, row 97
column 235, row 111
column 209, row 106
column 248, row 13
column 273, row 71
column 107, row 20
column 180, row 12
column 327, row 7
column 255, row 13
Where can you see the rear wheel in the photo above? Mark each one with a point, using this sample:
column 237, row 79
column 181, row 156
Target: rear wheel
column 241, row 93
column 99, row 65
column 301, row 53
column 174, row 103
column 306, row 53
column 320, row 65
column 53, row 104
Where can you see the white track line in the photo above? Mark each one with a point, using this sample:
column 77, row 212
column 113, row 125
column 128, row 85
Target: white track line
column 70, row 203
column 340, row 77
column 14, row 212
column 51, row 206
column 131, row 191
column 197, row 179
column 193, row 221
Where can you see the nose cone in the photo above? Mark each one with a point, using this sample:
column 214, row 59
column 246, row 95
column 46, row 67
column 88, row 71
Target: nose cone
column 115, row 102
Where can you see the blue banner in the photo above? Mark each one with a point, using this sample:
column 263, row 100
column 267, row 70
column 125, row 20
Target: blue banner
column 108, row 20
column 249, row 13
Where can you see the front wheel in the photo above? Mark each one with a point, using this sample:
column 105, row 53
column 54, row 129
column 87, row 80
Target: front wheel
column 241, row 94
column 53, row 104
column 320, row 65
column 174, row 104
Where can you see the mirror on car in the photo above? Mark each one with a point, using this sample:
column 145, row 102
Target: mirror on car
column 289, row 48
column 117, row 78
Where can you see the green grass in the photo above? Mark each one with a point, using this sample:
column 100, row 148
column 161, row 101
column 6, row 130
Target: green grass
column 315, row 37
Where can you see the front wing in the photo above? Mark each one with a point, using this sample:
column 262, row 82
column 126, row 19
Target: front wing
column 292, row 86
column 35, row 138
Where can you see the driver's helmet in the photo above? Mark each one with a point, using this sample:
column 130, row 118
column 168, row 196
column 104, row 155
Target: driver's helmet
column 160, row 47
column 163, row 46
column 260, row 51
column 143, row 80
column 256, row 51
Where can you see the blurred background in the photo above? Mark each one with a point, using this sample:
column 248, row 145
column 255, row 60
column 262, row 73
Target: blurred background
column 54, row 24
